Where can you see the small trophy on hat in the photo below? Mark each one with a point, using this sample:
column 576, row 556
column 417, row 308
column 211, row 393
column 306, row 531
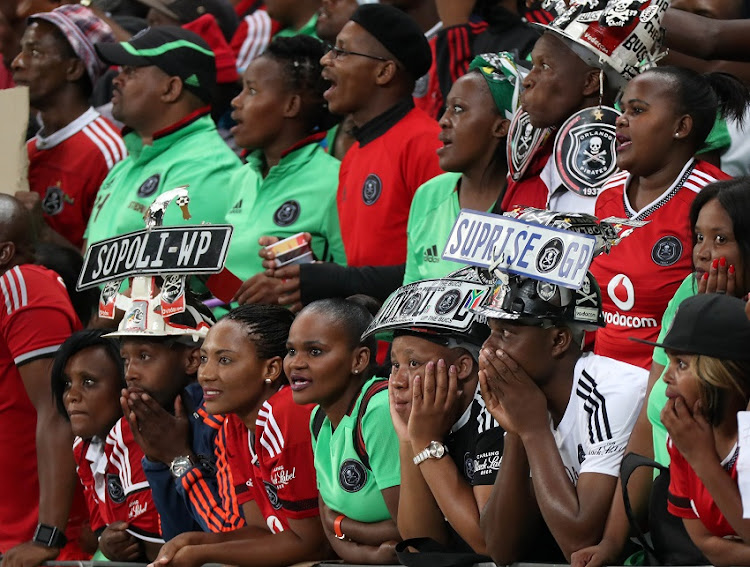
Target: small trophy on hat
column 155, row 213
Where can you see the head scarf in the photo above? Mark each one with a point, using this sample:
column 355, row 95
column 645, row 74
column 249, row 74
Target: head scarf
column 503, row 78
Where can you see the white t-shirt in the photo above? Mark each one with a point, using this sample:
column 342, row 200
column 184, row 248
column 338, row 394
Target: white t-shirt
column 604, row 404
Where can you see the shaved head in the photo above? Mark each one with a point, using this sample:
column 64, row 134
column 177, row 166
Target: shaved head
column 16, row 228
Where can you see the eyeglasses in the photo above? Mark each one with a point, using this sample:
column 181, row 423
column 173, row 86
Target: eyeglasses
column 337, row 52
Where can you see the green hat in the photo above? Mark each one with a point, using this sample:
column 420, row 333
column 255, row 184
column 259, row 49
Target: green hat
column 503, row 78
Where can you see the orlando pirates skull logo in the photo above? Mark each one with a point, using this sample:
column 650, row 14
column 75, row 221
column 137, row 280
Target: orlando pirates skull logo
column 352, row 475
column 585, row 150
column 550, row 255
column 172, row 288
column 524, row 141
column 447, row 302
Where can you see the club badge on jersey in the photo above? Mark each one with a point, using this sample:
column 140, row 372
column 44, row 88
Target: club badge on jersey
column 524, row 142
column 584, row 150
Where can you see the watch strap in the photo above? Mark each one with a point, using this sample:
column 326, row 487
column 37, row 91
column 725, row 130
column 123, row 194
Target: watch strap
column 49, row 536
column 422, row 456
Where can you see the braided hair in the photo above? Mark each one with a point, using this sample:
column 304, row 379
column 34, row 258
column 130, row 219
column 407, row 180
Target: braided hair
column 300, row 57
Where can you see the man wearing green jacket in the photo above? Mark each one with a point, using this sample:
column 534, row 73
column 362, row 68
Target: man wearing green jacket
column 162, row 94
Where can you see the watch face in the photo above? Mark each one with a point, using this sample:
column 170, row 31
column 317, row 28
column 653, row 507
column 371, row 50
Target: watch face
column 437, row 450
column 44, row 533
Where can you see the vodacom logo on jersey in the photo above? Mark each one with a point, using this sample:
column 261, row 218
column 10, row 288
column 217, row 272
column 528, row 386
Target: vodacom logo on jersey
column 622, row 293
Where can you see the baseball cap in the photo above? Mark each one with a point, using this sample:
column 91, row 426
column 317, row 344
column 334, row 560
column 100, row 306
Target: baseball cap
column 709, row 324
column 398, row 33
column 82, row 28
column 623, row 38
column 226, row 64
column 176, row 51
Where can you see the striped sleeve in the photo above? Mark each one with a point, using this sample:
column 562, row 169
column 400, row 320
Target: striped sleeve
column 454, row 48
column 251, row 38
column 107, row 140
column 35, row 314
column 214, row 505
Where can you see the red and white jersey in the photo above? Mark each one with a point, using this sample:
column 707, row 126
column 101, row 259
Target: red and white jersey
column 252, row 37
column 641, row 274
column 128, row 496
column 274, row 467
column 36, row 317
column 689, row 498
column 542, row 187
column 91, row 467
column 67, row 168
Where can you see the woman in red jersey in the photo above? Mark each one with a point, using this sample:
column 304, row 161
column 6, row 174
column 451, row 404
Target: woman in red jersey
column 667, row 115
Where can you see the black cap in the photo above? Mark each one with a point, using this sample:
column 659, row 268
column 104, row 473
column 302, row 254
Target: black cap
column 398, row 33
column 176, row 51
column 709, row 324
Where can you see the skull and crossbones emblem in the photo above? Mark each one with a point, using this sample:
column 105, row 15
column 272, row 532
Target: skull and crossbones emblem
column 595, row 152
column 525, row 141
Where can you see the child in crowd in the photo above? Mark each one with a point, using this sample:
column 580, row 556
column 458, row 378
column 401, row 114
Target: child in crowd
column 87, row 377
column 438, row 411
column 473, row 127
column 354, row 443
column 289, row 182
column 667, row 115
column 708, row 382
column 266, row 471
column 721, row 259
column 160, row 360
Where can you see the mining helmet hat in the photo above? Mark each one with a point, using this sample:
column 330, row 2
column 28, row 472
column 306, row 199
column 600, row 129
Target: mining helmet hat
column 528, row 300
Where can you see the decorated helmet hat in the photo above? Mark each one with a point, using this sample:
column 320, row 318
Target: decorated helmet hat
column 529, row 300
column 144, row 317
column 621, row 37
column 439, row 310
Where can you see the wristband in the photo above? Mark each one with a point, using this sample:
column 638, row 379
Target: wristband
column 337, row 527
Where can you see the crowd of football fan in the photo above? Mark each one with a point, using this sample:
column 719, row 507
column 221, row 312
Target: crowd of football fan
column 382, row 403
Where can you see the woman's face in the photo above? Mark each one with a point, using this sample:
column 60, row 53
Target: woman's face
column 320, row 359
column 646, row 129
column 681, row 379
column 409, row 356
column 259, row 108
column 231, row 373
column 468, row 125
column 714, row 239
column 91, row 393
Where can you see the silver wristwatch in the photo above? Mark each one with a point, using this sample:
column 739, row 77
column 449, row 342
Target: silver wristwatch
column 435, row 450
column 180, row 466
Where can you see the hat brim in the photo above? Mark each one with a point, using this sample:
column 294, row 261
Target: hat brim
column 665, row 346
column 116, row 54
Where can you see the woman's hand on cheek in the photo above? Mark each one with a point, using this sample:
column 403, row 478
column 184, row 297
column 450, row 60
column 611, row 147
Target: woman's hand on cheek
column 689, row 431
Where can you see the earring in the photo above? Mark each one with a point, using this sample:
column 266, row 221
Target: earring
column 676, row 135
column 268, row 380
column 356, row 371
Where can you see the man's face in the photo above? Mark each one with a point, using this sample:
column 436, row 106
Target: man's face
column 553, row 89
column 136, row 95
column 332, row 17
column 352, row 76
column 42, row 64
column 529, row 346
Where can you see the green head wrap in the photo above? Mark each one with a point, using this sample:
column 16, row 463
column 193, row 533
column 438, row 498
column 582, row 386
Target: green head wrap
column 503, row 78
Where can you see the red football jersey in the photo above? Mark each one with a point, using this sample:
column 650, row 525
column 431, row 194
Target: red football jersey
column 128, row 497
column 88, row 457
column 530, row 190
column 641, row 274
column 377, row 182
column 67, row 168
column 688, row 497
column 36, row 317
column 275, row 469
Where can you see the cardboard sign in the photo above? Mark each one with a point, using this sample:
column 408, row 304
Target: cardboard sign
column 444, row 304
column 14, row 162
column 162, row 250
column 552, row 255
